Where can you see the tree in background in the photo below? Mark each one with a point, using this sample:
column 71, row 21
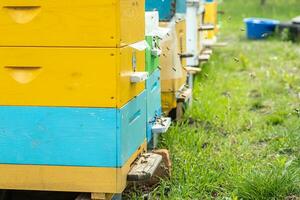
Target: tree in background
column 263, row 2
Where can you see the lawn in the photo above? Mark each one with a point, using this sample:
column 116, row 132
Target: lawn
column 241, row 137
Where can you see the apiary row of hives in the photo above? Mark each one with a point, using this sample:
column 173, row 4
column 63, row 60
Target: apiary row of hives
column 86, row 86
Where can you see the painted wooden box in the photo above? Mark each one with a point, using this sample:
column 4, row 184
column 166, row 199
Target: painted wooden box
column 152, row 54
column 211, row 17
column 96, row 23
column 80, row 77
column 169, row 101
column 85, row 149
column 166, row 8
column 173, row 75
column 154, row 109
column 181, row 6
column 181, row 38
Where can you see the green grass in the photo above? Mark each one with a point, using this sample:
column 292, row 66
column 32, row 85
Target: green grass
column 241, row 137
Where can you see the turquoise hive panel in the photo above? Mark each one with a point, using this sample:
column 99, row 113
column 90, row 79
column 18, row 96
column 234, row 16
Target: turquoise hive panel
column 153, row 89
column 99, row 137
column 132, row 123
column 166, row 8
column 181, row 6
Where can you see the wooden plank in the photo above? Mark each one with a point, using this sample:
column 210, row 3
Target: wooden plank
column 161, row 125
column 56, row 76
column 184, row 95
column 193, row 70
column 61, row 136
column 144, row 168
column 71, row 179
column 207, row 27
column 207, row 51
column 204, row 57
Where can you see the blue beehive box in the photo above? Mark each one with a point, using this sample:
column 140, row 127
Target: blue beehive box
column 66, row 136
column 166, row 8
column 154, row 109
column 181, row 6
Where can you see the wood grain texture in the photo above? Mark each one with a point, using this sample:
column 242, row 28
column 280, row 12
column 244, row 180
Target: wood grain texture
column 81, row 77
column 211, row 17
column 94, row 137
column 109, row 23
column 67, row 178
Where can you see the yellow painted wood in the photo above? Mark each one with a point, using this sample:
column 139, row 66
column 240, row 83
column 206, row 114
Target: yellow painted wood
column 68, row 179
column 211, row 17
column 101, row 23
column 169, row 101
column 83, row 77
column 173, row 75
column 181, row 38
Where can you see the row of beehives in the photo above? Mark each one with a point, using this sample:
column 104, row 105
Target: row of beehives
column 187, row 30
column 83, row 90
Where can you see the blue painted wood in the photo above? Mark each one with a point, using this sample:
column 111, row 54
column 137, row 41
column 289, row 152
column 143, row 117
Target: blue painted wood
column 95, row 137
column 154, row 109
column 166, row 8
column 181, row 6
column 132, row 123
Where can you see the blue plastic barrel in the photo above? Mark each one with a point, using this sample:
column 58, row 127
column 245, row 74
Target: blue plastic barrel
column 260, row 28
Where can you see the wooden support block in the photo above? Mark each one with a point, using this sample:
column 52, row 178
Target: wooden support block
column 95, row 196
column 166, row 158
column 184, row 95
column 84, row 196
column 101, row 196
column 144, row 168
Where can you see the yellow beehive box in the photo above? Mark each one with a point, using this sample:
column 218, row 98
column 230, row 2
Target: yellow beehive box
column 84, row 77
column 211, row 17
column 169, row 101
column 173, row 75
column 96, row 23
column 67, row 178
